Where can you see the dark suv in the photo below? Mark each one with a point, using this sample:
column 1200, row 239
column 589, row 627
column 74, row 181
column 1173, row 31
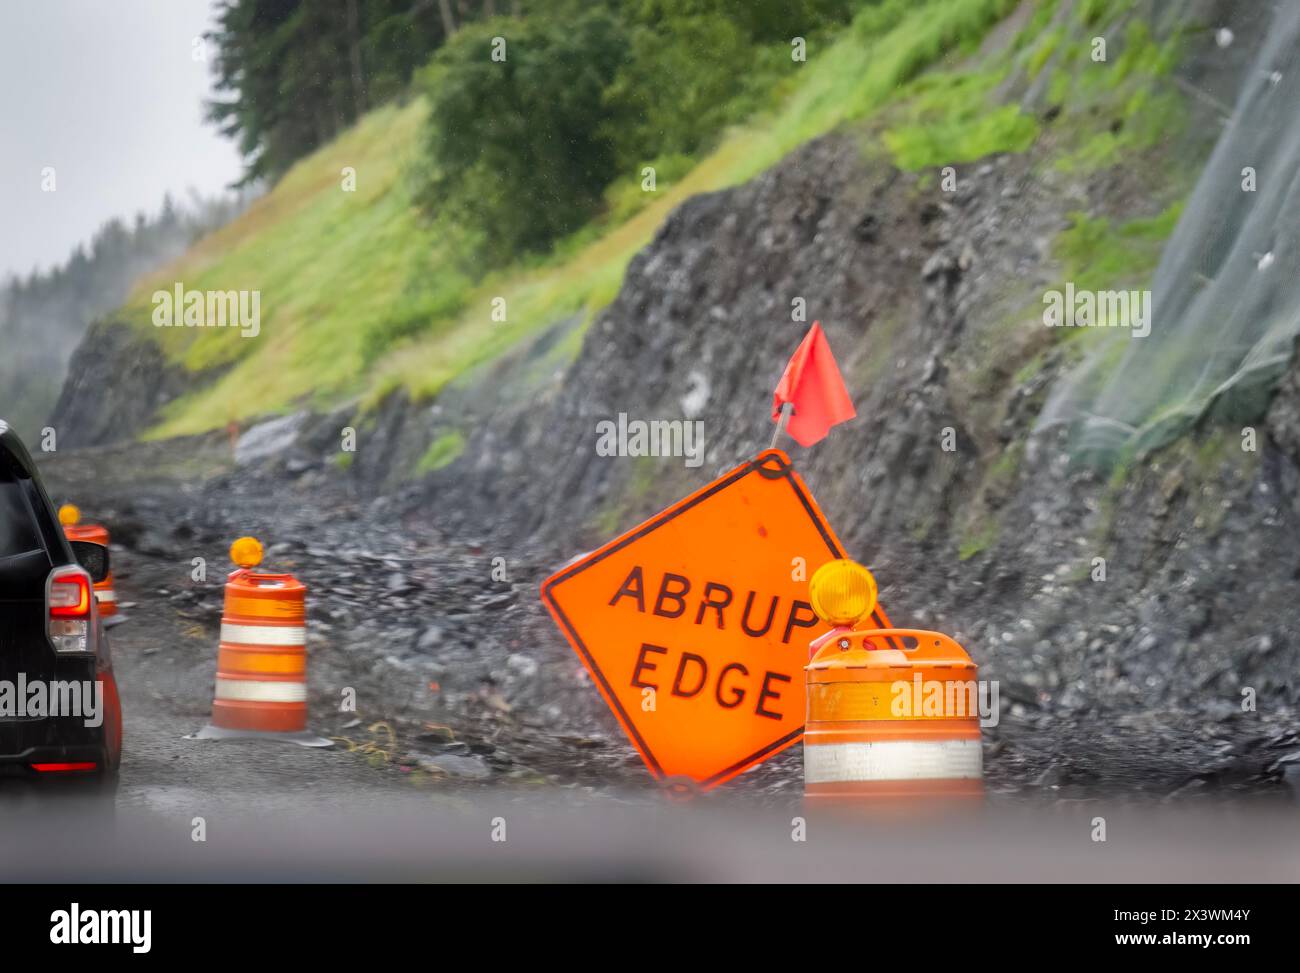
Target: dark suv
column 60, row 715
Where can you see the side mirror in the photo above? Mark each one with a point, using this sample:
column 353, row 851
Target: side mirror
column 93, row 557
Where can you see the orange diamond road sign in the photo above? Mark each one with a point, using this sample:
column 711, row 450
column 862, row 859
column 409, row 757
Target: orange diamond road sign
column 695, row 625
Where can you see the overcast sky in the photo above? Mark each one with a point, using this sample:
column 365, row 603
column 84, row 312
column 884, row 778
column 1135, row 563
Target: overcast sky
column 109, row 94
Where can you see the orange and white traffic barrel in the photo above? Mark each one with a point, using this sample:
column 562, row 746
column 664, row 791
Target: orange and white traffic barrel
column 892, row 713
column 261, row 684
column 70, row 517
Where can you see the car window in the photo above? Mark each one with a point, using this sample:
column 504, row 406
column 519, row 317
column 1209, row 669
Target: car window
column 17, row 528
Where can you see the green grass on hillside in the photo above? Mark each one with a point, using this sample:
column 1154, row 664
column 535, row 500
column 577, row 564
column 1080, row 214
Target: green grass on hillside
column 1096, row 255
column 331, row 267
column 360, row 297
column 859, row 72
column 442, row 451
column 951, row 120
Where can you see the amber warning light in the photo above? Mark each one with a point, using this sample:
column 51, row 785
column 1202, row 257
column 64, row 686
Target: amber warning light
column 842, row 592
column 246, row 552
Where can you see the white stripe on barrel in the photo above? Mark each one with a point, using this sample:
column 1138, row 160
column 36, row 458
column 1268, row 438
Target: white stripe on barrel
column 263, row 634
column 108, row 595
column 892, row 760
column 259, row 691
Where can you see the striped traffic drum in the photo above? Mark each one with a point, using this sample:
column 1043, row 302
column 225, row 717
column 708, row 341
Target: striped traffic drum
column 262, row 659
column 69, row 517
column 892, row 713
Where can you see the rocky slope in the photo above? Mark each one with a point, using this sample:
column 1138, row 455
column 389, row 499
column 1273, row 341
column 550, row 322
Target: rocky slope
column 117, row 382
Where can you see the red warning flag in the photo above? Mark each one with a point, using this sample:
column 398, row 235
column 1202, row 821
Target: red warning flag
column 812, row 384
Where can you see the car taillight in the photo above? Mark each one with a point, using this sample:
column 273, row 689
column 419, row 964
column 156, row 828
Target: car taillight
column 69, row 597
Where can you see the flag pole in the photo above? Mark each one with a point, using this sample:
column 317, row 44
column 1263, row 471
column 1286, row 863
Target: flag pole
column 780, row 425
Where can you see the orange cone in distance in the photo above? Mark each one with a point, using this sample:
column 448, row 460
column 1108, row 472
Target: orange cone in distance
column 74, row 530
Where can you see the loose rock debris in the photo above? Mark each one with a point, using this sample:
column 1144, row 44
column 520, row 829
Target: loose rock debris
column 429, row 671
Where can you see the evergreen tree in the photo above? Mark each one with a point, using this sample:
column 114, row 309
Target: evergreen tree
column 291, row 74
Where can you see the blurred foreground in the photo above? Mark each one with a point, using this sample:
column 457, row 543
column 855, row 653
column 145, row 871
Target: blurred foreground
column 416, row 840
